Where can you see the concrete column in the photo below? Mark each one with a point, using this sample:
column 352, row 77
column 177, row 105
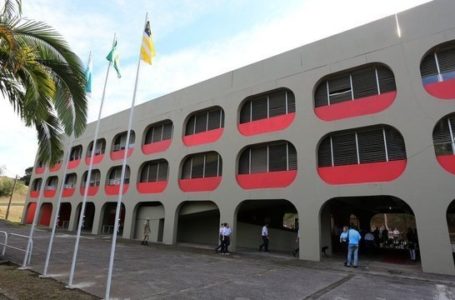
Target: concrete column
column 310, row 232
column 128, row 222
column 227, row 215
column 170, row 224
column 53, row 214
column 73, row 216
column 326, row 232
column 97, row 218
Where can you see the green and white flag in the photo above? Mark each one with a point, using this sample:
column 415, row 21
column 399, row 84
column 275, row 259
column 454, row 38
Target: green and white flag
column 114, row 58
column 88, row 75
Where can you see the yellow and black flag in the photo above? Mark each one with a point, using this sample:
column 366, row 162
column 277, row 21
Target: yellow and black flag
column 147, row 48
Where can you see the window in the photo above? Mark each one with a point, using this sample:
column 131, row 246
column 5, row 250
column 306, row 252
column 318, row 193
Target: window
column 202, row 165
column 76, row 153
column 70, row 181
column 439, row 64
column 369, row 80
column 277, row 156
column 158, row 132
column 444, row 136
column 267, row 105
column 205, row 120
column 120, row 141
column 155, row 170
column 115, row 176
column 52, row 183
column 36, row 186
column 365, row 145
column 99, row 149
column 94, row 178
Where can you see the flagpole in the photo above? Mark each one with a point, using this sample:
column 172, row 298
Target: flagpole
column 87, row 182
column 35, row 217
column 122, row 178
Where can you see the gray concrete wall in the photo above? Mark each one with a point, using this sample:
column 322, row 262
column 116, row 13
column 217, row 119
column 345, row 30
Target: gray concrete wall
column 424, row 185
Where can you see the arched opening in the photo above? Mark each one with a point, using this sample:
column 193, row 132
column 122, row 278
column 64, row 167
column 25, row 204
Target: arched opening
column 89, row 216
column 451, row 225
column 386, row 223
column 154, row 213
column 64, row 215
column 30, row 213
column 45, row 214
column 108, row 218
column 198, row 223
column 281, row 217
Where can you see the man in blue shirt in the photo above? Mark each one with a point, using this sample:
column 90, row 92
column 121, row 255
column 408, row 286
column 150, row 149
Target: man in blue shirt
column 353, row 247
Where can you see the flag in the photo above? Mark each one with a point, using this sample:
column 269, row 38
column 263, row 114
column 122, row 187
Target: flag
column 114, row 58
column 88, row 75
column 147, row 48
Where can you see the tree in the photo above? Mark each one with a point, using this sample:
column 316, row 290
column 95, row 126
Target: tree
column 42, row 79
column 27, row 176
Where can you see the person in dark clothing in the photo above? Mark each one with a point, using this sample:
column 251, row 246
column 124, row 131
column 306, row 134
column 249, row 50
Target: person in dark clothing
column 265, row 238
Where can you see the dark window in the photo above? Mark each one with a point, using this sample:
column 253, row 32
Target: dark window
column 371, row 145
column 344, row 149
column 154, row 171
column 325, row 153
column 439, row 63
column 70, row 180
column 204, row 121
column 99, row 149
column 52, row 183
column 94, row 178
column 115, row 175
column 443, row 136
column 277, row 157
column 270, row 104
column 36, row 184
column 202, row 165
column 120, row 141
column 76, row 153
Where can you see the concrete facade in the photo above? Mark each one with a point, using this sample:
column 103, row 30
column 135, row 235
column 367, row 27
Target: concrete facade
column 424, row 185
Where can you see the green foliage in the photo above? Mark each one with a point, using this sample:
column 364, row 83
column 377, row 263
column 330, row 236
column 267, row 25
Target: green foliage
column 6, row 187
column 27, row 176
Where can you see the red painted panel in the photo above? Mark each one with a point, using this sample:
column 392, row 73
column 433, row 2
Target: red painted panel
column 68, row 192
column 200, row 184
column 447, row 162
column 34, row 194
column 73, row 163
column 30, row 213
column 277, row 179
column 151, row 187
column 363, row 173
column 96, row 159
column 266, row 125
column 117, row 155
column 46, row 213
column 56, row 167
column 443, row 90
column 49, row 193
column 358, row 107
column 156, row 147
column 39, row 170
column 92, row 190
column 205, row 137
column 115, row 189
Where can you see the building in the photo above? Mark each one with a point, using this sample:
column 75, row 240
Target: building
column 358, row 124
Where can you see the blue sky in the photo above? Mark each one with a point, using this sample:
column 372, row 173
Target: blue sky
column 195, row 40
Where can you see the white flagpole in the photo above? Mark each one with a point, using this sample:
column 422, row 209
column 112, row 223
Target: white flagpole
column 122, row 177
column 397, row 25
column 87, row 182
column 35, row 217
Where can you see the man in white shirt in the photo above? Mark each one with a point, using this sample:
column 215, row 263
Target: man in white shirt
column 265, row 238
column 226, row 240
column 220, row 245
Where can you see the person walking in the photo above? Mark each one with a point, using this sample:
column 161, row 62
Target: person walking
column 221, row 231
column 353, row 247
column 227, row 231
column 265, row 238
column 147, row 232
column 344, row 243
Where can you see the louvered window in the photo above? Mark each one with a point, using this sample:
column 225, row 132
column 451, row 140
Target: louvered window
column 204, row 121
column 363, row 82
column 115, row 175
column 155, row 170
column 202, row 165
column 120, row 141
column 99, row 149
column 36, row 184
column 267, row 105
column 70, row 181
column 158, row 132
column 76, row 153
column 365, row 145
column 52, row 183
column 95, row 178
column 280, row 156
column 439, row 63
column 443, row 136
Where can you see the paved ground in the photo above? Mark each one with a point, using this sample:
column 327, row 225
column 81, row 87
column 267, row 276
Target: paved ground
column 167, row 272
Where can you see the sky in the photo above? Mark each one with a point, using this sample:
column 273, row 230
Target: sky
column 194, row 39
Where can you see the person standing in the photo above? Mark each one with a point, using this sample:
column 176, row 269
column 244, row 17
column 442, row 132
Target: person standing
column 344, row 243
column 295, row 252
column 412, row 242
column 221, row 231
column 353, row 247
column 147, row 232
column 226, row 239
column 265, row 238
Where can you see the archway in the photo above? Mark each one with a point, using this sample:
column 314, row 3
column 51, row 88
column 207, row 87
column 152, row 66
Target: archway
column 451, row 225
column 389, row 220
column 108, row 218
column 198, row 223
column 45, row 214
column 89, row 216
column 31, row 207
column 281, row 217
column 64, row 215
column 154, row 212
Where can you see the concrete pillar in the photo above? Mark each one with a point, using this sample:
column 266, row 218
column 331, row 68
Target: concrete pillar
column 326, row 230
column 73, row 216
column 170, row 224
column 128, row 222
column 310, row 232
column 97, row 218
column 53, row 214
column 227, row 215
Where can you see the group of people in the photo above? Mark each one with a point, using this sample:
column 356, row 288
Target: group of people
column 350, row 240
column 225, row 239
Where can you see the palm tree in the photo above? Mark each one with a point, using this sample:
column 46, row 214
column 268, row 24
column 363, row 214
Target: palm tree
column 42, row 79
